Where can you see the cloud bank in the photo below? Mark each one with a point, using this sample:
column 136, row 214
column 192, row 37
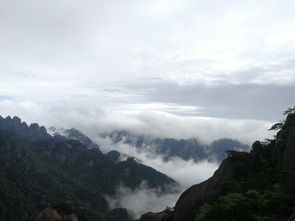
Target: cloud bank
column 143, row 198
column 93, row 119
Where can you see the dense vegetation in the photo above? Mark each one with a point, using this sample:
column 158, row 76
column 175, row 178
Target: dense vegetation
column 39, row 171
column 263, row 187
column 272, row 204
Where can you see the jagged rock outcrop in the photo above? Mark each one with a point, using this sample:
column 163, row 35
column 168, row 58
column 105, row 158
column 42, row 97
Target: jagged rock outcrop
column 31, row 133
column 51, row 214
column 166, row 215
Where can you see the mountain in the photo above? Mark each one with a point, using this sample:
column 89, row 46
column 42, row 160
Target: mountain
column 183, row 148
column 39, row 171
column 73, row 134
column 28, row 133
column 255, row 186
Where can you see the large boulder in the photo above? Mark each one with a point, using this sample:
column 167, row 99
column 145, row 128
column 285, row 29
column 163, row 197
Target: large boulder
column 51, row 214
column 207, row 191
column 166, row 215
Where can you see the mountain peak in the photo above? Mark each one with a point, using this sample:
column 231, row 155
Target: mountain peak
column 16, row 119
column 32, row 133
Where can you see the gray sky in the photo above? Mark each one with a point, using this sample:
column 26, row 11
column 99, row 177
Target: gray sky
column 133, row 63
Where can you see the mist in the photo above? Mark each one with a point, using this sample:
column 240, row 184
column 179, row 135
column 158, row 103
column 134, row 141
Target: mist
column 167, row 69
column 144, row 198
column 93, row 119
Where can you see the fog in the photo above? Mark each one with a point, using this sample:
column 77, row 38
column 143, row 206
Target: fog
column 144, row 198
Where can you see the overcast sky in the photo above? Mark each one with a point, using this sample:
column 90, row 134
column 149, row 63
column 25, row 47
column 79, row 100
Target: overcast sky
column 130, row 62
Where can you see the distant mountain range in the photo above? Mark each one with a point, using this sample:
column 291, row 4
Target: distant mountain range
column 185, row 149
column 39, row 171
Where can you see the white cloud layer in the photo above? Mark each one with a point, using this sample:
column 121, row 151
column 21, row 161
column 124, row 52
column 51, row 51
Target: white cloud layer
column 93, row 120
column 124, row 53
column 144, row 199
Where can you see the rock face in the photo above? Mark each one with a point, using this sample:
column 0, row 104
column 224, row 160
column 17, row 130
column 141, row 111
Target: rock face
column 166, row 215
column 51, row 214
column 207, row 191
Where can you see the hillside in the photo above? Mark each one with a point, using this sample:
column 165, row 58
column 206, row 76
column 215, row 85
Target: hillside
column 40, row 171
column 257, row 186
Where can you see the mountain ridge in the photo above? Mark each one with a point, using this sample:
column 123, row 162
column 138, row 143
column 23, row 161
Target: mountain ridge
column 37, row 171
column 185, row 149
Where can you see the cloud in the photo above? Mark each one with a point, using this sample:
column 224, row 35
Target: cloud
column 186, row 173
column 198, row 58
column 105, row 41
column 205, row 69
column 142, row 199
column 92, row 119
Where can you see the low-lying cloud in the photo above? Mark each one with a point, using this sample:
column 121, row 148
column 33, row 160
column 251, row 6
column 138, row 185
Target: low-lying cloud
column 93, row 119
column 144, row 198
column 186, row 173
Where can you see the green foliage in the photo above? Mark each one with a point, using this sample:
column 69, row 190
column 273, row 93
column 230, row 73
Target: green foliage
column 38, row 173
column 30, row 183
column 273, row 204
